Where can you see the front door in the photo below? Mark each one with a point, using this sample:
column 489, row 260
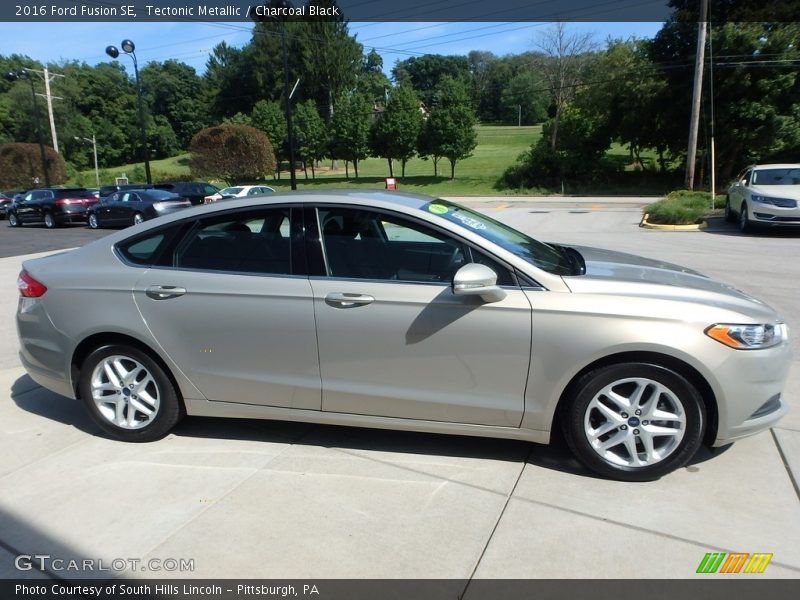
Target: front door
column 394, row 341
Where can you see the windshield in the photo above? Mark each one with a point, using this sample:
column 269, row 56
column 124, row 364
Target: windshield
column 539, row 254
column 788, row 176
column 230, row 190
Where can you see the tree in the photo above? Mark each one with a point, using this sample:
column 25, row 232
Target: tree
column 233, row 153
column 331, row 58
column 450, row 129
column 566, row 58
column 350, row 129
column 173, row 90
column 371, row 80
column 310, row 135
column 525, row 99
column 21, row 166
column 424, row 73
column 268, row 116
column 394, row 135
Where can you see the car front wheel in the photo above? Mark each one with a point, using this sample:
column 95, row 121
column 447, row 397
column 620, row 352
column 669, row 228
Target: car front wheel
column 138, row 218
column 634, row 422
column 745, row 226
column 93, row 222
column 128, row 395
column 13, row 220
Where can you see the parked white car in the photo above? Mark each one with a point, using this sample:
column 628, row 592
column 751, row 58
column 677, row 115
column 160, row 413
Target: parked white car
column 765, row 195
column 239, row 191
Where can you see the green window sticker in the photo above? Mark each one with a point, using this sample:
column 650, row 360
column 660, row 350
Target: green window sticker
column 437, row 209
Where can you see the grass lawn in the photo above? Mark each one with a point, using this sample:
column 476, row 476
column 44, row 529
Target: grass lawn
column 498, row 148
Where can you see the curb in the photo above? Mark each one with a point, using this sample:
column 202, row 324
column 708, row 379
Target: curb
column 658, row 227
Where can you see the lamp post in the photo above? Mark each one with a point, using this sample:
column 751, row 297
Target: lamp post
column 24, row 74
column 94, row 148
column 128, row 48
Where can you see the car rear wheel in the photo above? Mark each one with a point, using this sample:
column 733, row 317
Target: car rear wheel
column 50, row 221
column 634, row 422
column 13, row 220
column 745, row 226
column 93, row 222
column 729, row 216
column 128, row 395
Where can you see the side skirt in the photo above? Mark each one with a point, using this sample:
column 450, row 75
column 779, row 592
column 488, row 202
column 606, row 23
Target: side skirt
column 205, row 408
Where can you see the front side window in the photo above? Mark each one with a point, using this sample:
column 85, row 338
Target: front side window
column 244, row 242
column 365, row 244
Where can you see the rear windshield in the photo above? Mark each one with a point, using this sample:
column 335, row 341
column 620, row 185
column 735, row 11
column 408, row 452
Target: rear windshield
column 71, row 192
column 160, row 195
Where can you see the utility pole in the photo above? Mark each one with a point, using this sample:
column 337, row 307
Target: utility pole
column 694, row 122
column 47, row 76
column 519, row 115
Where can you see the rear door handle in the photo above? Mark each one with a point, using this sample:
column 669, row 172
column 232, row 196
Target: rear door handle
column 343, row 300
column 164, row 292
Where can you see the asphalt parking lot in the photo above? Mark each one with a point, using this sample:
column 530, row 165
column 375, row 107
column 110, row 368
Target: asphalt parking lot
column 281, row 500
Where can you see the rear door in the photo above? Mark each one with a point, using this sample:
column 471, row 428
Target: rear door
column 232, row 305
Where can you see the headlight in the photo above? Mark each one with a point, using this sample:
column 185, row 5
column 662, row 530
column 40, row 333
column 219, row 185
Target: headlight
column 782, row 202
column 748, row 337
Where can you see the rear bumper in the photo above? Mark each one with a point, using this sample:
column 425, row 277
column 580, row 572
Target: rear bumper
column 42, row 348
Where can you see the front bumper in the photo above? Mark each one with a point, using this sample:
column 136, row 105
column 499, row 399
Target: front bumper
column 769, row 214
column 750, row 392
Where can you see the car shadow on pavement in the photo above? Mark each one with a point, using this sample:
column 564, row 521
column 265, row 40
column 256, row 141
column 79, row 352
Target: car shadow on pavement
column 556, row 456
column 718, row 226
column 33, row 398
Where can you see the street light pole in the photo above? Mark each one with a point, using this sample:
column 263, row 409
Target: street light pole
column 24, row 74
column 128, row 47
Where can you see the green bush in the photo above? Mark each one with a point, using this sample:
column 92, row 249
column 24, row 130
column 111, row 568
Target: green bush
column 682, row 207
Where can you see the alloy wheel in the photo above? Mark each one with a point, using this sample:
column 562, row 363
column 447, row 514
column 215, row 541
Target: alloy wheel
column 125, row 393
column 49, row 221
column 138, row 218
column 635, row 422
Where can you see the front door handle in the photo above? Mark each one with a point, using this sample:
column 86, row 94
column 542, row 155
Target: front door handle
column 343, row 300
column 164, row 292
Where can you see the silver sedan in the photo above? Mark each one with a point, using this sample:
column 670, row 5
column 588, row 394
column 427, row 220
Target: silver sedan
column 380, row 309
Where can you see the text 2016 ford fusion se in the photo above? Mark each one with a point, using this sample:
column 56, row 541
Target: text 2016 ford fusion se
column 404, row 312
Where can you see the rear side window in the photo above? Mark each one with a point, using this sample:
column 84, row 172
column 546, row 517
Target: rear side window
column 245, row 242
column 145, row 250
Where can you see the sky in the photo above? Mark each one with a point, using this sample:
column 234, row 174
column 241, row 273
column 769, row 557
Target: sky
column 191, row 43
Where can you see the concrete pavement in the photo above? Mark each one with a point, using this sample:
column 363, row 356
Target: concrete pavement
column 283, row 500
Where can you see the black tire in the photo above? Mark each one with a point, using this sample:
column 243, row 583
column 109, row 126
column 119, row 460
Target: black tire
column 577, row 412
column 745, row 226
column 93, row 222
column 137, row 218
column 49, row 220
column 167, row 413
column 13, row 220
column 730, row 216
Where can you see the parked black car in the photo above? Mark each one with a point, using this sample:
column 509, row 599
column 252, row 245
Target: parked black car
column 196, row 191
column 134, row 206
column 51, row 206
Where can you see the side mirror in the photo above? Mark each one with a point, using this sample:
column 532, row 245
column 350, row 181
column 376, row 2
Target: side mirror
column 743, row 182
column 477, row 280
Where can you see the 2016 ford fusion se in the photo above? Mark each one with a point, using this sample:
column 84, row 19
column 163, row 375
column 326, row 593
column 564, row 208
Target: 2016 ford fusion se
column 378, row 309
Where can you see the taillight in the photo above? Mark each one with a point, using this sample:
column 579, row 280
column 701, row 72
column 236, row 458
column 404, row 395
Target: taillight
column 29, row 287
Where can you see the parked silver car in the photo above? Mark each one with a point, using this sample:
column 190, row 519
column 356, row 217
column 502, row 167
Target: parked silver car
column 380, row 309
column 765, row 195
